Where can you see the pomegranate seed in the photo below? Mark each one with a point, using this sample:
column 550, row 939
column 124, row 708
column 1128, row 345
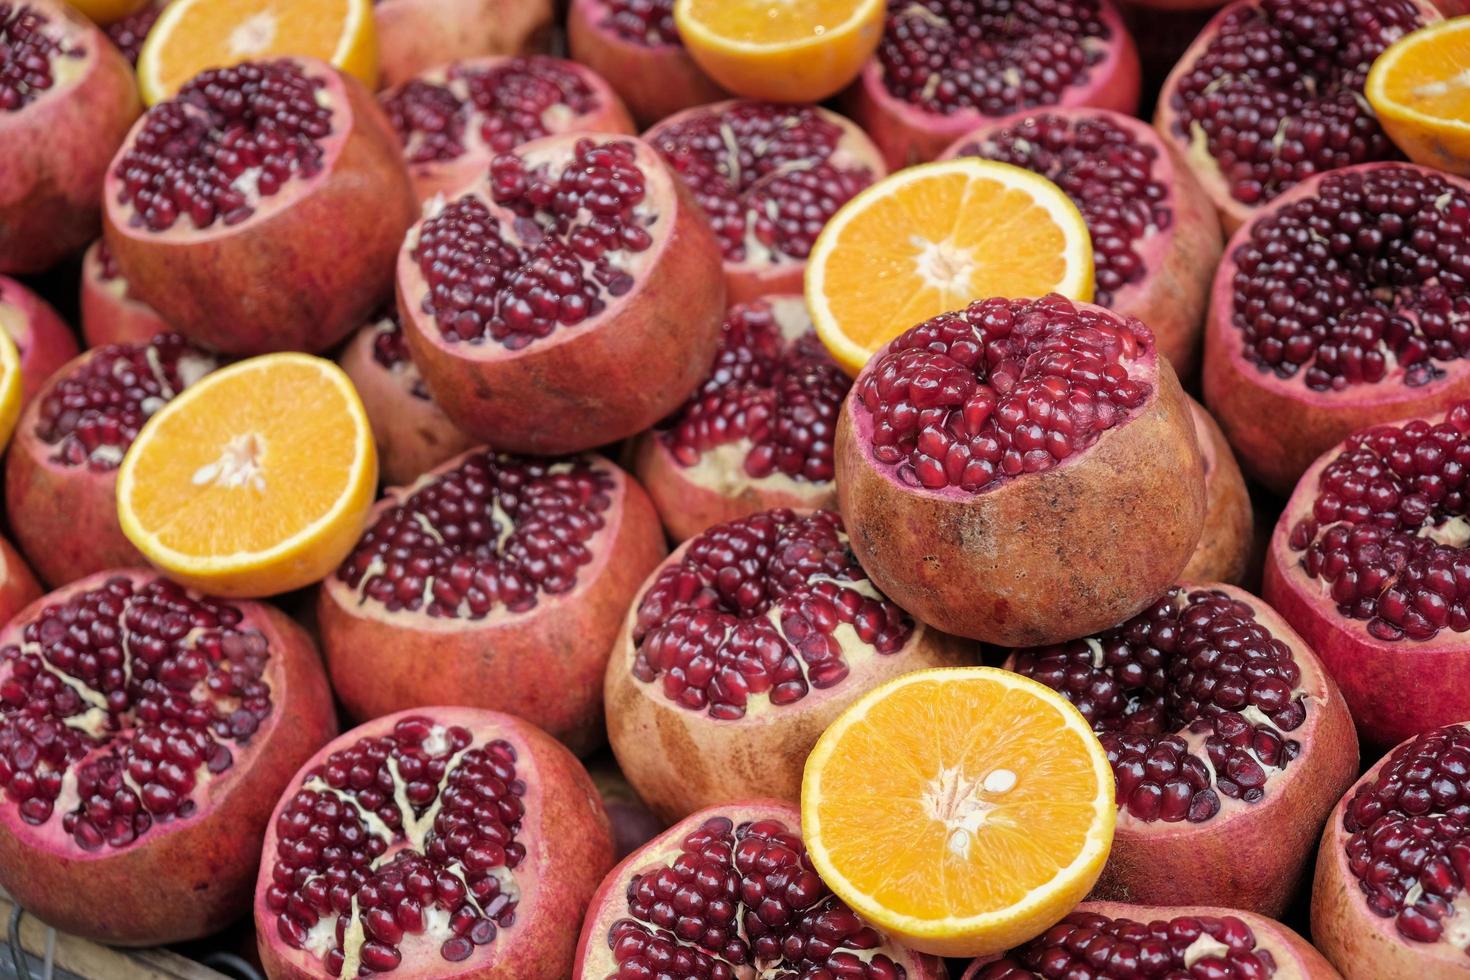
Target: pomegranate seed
column 30, row 44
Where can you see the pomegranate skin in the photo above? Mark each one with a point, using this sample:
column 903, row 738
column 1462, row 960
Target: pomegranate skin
column 42, row 338
column 191, row 876
column 415, row 35
column 281, row 280
column 1224, row 550
column 18, row 585
column 907, row 134
column 569, row 849
column 56, row 151
column 545, row 665
column 110, row 313
column 604, row 379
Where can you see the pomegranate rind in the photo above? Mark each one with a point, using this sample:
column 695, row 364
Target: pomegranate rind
column 1224, row 550
column 609, row 904
column 416, row 35
column 110, row 315
column 907, row 134
column 18, row 585
column 43, row 339
column 568, row 850
column 57, row 149
column 1278, row 426
column 187, row 877
column 545, row 665
column 604, row 379
column 281, row 280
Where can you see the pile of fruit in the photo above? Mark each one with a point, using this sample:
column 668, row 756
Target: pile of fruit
column 879, row 455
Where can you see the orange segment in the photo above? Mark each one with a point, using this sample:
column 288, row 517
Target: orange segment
column 930, row 239
column 192, row 35
column 780, row 50
column 1420, row 88
column 962, row 810
column 255, row 481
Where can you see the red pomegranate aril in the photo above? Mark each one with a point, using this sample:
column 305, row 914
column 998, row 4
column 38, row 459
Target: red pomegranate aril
column 510, row 574
column 430, row 837
column 229, row 205
column 41, row 337
column 455, row 118
column 111, row 314
column 416, row 35
column 128, row 33
column 1343, row 304
column 145, row 730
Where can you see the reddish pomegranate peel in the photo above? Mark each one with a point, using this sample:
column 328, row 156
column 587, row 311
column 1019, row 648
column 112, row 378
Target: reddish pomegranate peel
column 1228, row 543
column 1344, row 304
column 1044, row 414
column 416, row 35
column 41, row 337
column 144, row 732
column 439, row 842
column 725, row 893
column 111, row 314
column 18, row 585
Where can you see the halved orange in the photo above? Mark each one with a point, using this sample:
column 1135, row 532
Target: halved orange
column 256, row 480
column 933, row 238
column 962, row 810
column 192, row 35
column 1420, row 88
column 778, row 50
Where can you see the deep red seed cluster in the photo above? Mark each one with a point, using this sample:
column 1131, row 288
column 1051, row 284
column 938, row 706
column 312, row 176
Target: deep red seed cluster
column 172, row 683
column 130, row 32
column 1187, row 668
column 390, row 351
column 27, row 50
column 326, row 850
column 754, row 608
column 230, row 137
column 647, row 22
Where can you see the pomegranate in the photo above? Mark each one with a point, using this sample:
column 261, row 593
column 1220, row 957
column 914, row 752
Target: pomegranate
column 111, row 314
column 416, row 35
column 570, row 299
column 985, row 460
column 741, row 648
column 229, row 206
column 635, row 45
column 144, row 732
column 62, row 465
column 67, row 99
column 1344, row 304
column 1155, row 239
column 444, row 842
column 412, row 432
column 1134, row 942
column 128, row 33
column 506, row 576
column 1228, row 740
column 945, row 67
column 1389, row 900
column 730, row 892
column 1369, row 563
column 454, row 118
column 1271, row 92
column 1225, row 547
column 757, row 434
column 633, row 824
column 768, row 177
column 42, row 338
column 18, row 585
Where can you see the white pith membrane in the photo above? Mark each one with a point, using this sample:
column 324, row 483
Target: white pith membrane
column 68, row 56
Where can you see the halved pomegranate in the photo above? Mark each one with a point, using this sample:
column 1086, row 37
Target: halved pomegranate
column 571, row 298
column 1224, row 550
column 757, row 434
column 635, row 45
column 1124, row 942
column 61, row 469
column 41, row 337
column 455, row 118
column 768, row 177
column 67, row 99
column 1271, row 92
column 1002, row 465
column 1229, row 743
column 740, row 650
column 1369, row 562
column 128, row 33
column 1343, row 304
column 145, row 732
column 1155, row 238
column 18, row 585
column 495, row 581
column 1389, row 901
column 443, row 842
column 261, row 207
column 730, row 892
column 111, row 314
column 945, row 67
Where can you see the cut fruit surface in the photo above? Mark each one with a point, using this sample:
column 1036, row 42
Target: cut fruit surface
column 961, row 810
column 1420, row 88
column 932, row 238
column 10, row 384
column 226, row 491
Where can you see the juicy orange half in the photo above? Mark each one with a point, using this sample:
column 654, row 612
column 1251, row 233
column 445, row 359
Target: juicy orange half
column 933, row 238
column 962, row 810
column 1420, row 88
column 255, row 480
